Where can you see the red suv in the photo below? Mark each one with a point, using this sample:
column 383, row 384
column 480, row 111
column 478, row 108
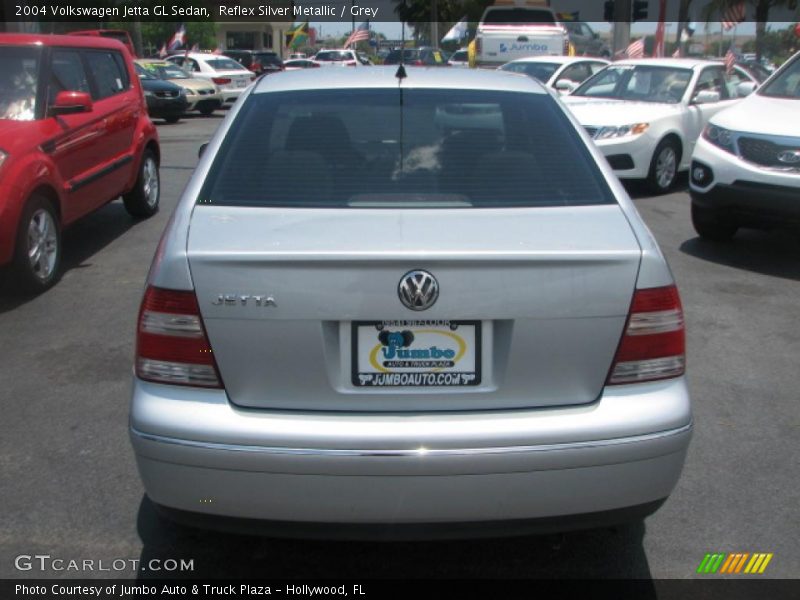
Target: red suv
column 74, row 135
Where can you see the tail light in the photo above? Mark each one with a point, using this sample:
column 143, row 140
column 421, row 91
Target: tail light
column 351, row 63
column 255, row 67
column 478, row 45
column 315, row 65
column 653, row 345
column 419, row 63
column 221, row 80
column 171, row 342
column 253, row 77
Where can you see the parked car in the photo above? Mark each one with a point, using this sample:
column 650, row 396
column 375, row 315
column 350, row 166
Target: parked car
column 564, row 73
column 201, row 94
column 646, row 115
column 460, row 58
column 74, row 135
column 338, row 58
column 509, row 32
column 746, row 166
column 421, row 57
column 230, row 77
column 165, row 100
column 585, row 40
column 300, row 63
column 261, row 62
column 362, row 321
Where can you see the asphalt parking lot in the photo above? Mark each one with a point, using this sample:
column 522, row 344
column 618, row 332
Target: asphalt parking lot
column 69, row 486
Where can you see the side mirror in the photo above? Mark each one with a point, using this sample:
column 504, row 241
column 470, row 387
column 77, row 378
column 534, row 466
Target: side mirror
column 201, row 150
column 565, row 86
column 70, row 103
column 745, row 88
column 706, row 97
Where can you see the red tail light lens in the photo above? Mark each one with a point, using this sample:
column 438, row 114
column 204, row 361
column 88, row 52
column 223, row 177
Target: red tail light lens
column 221, row 80
column 653, row 345
column 351, row 63
column 171, row 343
column 478, row 45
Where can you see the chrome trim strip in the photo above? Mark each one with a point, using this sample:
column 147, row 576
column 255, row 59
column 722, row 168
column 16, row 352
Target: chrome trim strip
column 411, row 452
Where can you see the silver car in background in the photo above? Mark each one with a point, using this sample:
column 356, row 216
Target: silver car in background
column 361, row 320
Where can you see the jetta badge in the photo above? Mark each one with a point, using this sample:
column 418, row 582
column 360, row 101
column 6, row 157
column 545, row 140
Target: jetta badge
column 418, row 290
column 243, row 300
column 790, row 157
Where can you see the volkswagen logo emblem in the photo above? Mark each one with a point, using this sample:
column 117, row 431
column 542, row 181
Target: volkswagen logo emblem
column 418, row 290
column 790, row 157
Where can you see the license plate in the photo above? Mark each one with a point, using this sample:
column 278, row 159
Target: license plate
column 416, row 353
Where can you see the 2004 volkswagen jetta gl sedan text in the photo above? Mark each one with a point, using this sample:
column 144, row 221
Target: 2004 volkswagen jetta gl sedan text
column 368, row 317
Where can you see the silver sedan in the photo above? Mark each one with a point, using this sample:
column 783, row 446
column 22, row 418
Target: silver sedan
column 363, row 319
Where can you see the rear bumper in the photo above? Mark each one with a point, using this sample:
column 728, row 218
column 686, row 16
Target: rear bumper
column 197, row 453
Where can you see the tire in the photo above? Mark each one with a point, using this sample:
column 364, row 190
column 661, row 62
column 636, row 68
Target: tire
column 172, row 119
column 142, row 200
column 37, row 255
column 664, row 166
column 709, row 226
column 207, row 112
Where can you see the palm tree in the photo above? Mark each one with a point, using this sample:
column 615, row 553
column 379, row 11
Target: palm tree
column 762, row 8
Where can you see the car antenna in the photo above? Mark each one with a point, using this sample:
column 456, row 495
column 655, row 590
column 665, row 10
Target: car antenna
column 401, row 69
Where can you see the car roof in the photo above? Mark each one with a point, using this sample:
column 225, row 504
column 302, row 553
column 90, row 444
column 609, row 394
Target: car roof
column 384, row 77
column 76, row 41
column 676, row 63
column 562, row 60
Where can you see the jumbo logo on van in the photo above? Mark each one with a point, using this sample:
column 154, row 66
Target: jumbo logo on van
column 523, row 48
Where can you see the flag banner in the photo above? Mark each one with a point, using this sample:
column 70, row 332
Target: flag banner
column 177, row 39
column 733, row 15
column 359, row 34
column 457, row 32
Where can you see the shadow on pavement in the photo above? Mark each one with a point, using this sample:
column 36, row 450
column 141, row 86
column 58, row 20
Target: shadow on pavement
column 80, row 242
column 601, row 553
column 775, row 253
column 638, row 190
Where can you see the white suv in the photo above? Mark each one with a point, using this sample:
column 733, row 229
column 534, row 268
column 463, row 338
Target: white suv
column 745, row 169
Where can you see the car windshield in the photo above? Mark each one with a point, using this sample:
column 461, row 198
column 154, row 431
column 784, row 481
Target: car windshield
column 514, row 16
column 786, row 84
column 412, row 148
column 394, row 55
column 144, row 74
column 640, row 83
column 167, row 71
column 224, row 64
column 541, row 71
column 334, row 55
column 19, row 73
column 267, row 58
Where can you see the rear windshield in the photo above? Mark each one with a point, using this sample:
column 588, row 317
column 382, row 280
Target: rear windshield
column 786, row 84
column 538, row 70
column 19, row 73
column 334, row 55
column 500, row 16
column 414, row 148
column 224, row 64
column 267, row 58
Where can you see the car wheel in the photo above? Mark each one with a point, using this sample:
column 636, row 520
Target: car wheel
column 171, row 120
column 709, row 226
column 142, row 200
column 664, row 166
column 206, row 111
column 37, row 257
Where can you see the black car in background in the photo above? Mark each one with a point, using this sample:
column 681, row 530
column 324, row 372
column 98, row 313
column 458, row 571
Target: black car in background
column 257, row 61
column 165, row 100
column 424, row 56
